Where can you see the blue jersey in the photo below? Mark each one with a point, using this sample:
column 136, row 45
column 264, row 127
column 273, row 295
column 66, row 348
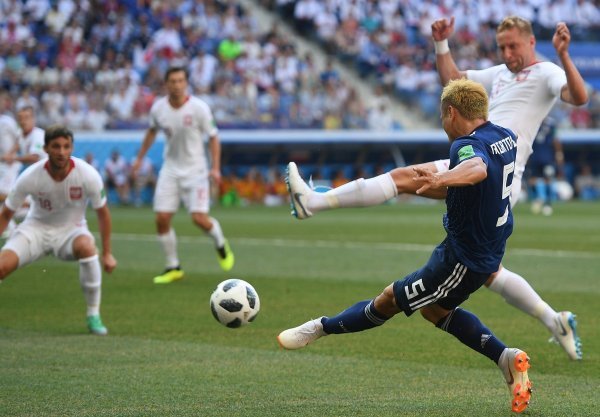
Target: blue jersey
column 478, row 218
column 543, row 145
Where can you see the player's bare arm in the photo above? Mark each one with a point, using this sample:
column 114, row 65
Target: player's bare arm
column 574, row 92
column 441, row 30
column 5, row 216
column 149, row 139
column 215, row 155
column 105, row 225
column 469, row 172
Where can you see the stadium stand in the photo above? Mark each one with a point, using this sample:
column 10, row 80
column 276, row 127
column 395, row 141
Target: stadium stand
column 106, row 59
column 99, row 65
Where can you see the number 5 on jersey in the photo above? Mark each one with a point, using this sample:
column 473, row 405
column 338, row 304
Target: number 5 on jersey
column 506, row 188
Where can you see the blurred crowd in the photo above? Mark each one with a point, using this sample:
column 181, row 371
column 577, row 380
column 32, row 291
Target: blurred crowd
column 98, row 65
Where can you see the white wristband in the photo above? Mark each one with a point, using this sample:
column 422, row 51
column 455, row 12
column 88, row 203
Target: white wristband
column 441, row 47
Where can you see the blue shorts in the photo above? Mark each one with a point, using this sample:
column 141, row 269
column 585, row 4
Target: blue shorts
column 444, row 280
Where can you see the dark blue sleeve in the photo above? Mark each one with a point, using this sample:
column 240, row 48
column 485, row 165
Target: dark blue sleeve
column 466, row 148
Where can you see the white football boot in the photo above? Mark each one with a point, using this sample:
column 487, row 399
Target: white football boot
column 514, row 364
column 300, row 336
column 299, row 192
column 565, row 334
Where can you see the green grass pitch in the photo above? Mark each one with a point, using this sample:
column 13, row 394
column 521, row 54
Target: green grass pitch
column 167, row 356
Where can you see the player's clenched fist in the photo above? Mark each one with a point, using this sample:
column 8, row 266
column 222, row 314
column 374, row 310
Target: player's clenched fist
column 442, row 29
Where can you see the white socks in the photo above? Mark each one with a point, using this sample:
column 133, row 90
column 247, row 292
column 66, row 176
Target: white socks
column 357, row 193
column 168, row 242
column 518, row 293
column 90, row 278
column 216, row 233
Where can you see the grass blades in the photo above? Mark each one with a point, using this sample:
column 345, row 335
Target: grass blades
column 167, row 356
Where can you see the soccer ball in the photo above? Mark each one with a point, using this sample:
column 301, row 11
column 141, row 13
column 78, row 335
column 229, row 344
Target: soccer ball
column 234, row 303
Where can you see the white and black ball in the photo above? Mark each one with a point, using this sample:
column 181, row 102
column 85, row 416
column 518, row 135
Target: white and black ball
column 234, row 303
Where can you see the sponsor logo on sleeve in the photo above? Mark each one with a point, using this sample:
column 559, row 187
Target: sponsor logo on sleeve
column 466, row 152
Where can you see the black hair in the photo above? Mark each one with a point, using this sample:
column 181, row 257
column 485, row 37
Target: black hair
column 57, row 131
column 175, row 69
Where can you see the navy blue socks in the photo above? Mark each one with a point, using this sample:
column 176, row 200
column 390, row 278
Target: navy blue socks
column 467, row 328
column 361, row 316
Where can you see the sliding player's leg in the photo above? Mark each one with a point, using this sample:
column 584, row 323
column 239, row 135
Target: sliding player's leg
column 358, row 193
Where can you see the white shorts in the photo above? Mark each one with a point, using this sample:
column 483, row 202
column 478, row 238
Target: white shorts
column 32, row 240
column 8, row 176
column 172, row 189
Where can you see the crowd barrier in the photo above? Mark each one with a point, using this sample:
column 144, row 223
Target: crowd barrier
column 128, row 143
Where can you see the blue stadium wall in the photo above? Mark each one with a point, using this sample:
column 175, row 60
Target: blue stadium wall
column 289, row 141
column 357, row 153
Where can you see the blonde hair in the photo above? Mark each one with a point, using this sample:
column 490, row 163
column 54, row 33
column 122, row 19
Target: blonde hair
column 511, row 22
column 466, row 96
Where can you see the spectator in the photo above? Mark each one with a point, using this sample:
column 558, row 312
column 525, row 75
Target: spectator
column 90, row 159
column 75, row 116
column 15, row 33
column 380, row 118
column 97, row 118
column 587, row 186
column 116, row 173
column 229, row 48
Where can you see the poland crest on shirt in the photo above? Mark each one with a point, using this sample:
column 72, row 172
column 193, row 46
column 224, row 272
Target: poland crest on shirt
column 187, row 130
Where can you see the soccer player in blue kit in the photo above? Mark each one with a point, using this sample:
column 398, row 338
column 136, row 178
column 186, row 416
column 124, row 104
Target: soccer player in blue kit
column 478, row 222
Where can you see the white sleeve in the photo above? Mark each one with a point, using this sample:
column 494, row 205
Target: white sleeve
column 94, row 188
column 153, row 122
column 208, row 123
column 19, row 192
column 485, row 77
column 557, row 79
column 37, row 145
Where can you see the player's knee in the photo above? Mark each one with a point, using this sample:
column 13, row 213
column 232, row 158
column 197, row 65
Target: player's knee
column 492, row 277
column 4, row 271
column 385, row 303
column 163, row 222
column 434, row 313
column 403, row 178
column 84, row 247
column 202, row 220
column 8, row 263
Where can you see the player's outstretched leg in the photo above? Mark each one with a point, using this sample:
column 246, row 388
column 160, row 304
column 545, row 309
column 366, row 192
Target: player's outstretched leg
column 300, row 336
column 565, row 334
column 356, row 318
column 299, row 191
column 358, row 193
column 519, row 293
column 514, row 364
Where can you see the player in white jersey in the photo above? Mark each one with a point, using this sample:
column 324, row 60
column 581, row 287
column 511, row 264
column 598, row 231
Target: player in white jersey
column 116, row 171
column 187, row 123
column 522, row 92
column 30, row 148
column 60, row 187
column 9, row 140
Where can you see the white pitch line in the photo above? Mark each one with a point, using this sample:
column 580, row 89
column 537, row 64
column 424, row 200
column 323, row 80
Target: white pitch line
column 298, row 243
